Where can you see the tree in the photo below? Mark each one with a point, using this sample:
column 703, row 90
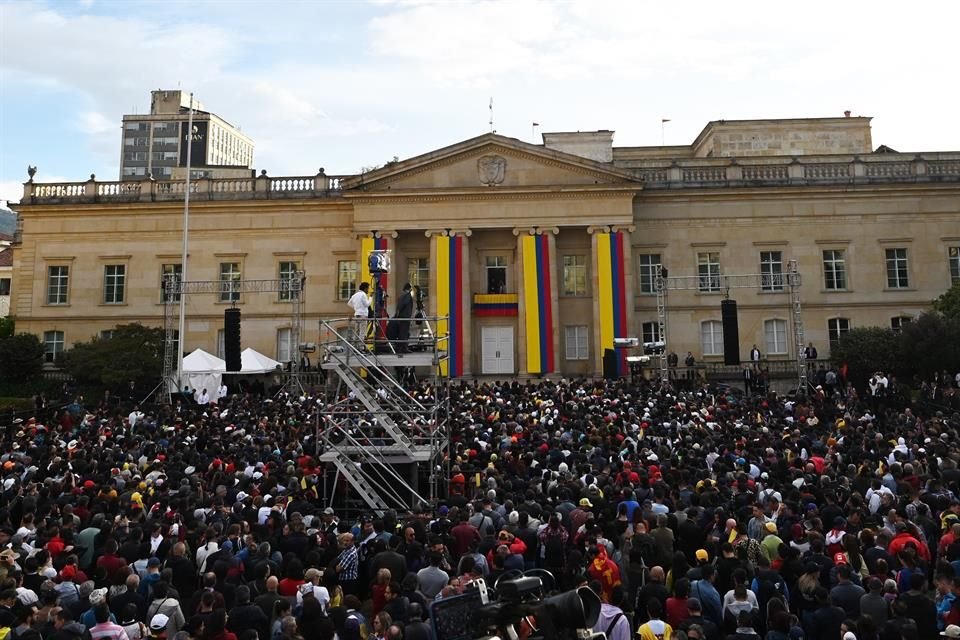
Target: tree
column 930, row 343
column 948, row 305
column 21, row 357
column 6, row 327
column 133, row 352
column 866, row 351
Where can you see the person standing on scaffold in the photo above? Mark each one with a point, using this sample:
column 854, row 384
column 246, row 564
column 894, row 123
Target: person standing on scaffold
column 360, row 303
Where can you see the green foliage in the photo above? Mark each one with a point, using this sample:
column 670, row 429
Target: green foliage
column 866, row 351
column 948, row 304
column 21, row 357
column 6, row 327
column 133, row 352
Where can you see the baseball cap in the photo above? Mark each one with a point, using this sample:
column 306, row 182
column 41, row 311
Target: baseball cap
column 328, row 511
column 771, row 527
column 839, row 558
column 703, row 555
column 952, row 631
column 159, row 622
column 153, row 562
column 585, row 502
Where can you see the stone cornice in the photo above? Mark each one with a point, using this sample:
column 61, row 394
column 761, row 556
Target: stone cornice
column 491, row 193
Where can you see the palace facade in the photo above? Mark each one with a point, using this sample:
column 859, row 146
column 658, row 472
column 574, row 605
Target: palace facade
column 541, row 254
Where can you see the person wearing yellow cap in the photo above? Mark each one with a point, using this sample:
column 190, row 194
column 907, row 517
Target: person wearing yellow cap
column 771, row 542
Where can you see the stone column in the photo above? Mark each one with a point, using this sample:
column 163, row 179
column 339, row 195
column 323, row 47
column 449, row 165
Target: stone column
column 530, row 284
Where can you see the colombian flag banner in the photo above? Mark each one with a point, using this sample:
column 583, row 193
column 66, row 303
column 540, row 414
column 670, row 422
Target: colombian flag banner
column 538, row 304
column 450, row 265
column 612, row 292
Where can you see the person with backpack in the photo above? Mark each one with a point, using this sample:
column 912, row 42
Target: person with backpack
column 553, row 541
column 612, row 620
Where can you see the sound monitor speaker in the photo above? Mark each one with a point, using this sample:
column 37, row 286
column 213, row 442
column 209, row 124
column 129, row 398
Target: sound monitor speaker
column 231, row 339
column 610, row 364
column 731, row 332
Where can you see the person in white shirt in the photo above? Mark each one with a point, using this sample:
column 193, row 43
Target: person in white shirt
column 203, row 398
column 135, row 416
column 360, row 303
column 222, row 392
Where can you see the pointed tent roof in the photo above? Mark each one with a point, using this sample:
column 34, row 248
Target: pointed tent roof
column 202, row 362
column 252, row 361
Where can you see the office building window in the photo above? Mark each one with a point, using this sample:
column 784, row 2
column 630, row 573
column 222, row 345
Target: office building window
column 954, row 259
column 58, row 284
column 576, row 343
column 347, row 275
column 575, row 275
column 170, row 274
column 53, row 346
column 836, row 327
column 496, row 267
column 221, row 345
column 898, row 322
column 650, row 332
column 418, row 274
column 708, row 270
column 287, row 271
column 284, row 348
column 711, row 338
column 107, row 334
column 897, row 269
column 647, row 266
column 775, row 334
column 771, row 271
column 4, row 286
column 229, row 282
column 114, row 283
column 834, row 270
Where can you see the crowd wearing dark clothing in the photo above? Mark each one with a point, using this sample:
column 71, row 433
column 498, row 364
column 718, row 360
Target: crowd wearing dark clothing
column 698, row 513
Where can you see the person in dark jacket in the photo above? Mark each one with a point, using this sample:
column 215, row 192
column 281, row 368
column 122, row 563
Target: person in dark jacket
column 246, row 615
column 825, row 619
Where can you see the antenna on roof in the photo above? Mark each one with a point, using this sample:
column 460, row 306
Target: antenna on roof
column 492, row 130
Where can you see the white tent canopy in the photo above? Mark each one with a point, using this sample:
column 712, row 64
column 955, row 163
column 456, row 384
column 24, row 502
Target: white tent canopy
column 252, row 361
column 203, row 370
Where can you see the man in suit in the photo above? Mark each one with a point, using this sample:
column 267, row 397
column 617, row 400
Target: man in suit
column 402, row 319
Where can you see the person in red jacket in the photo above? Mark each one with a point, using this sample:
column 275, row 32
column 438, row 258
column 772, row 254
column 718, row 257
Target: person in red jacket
column 903, row 538
column 512, row 542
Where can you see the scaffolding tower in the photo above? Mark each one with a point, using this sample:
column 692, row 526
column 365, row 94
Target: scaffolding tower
column 382, row 430
column 788, row 282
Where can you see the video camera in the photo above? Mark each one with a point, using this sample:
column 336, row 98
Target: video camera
column 482, row 613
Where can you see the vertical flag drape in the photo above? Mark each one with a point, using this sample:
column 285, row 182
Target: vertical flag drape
column 538, row 304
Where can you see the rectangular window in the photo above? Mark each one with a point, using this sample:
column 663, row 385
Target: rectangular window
column 135, row 126
column 114, row 283
column 708, row 270
column 954, row 258
column 418, row 274
column 496, row 274
column 221, row 345
column 107, row 334
column 834, row 270
column 58, row 284
column 898, row 322
column 347, row 275
column 170, row 273
column 771, row 271
column 775, row 333
column 575, row 275
column 897, row 269
column 135, row 156
column 576, row 343
column 284, row 348
column 711, row 338
column 53, row 346
column 287, row 271
column 134, row 171
column 650, row 332
column 229, row 282
column 648, row 264
column 836, row 327
column 4, row 286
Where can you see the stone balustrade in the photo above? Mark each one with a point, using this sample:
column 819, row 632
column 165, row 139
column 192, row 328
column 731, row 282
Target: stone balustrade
column 687, row 173
column 876, row 168
column 149, row 190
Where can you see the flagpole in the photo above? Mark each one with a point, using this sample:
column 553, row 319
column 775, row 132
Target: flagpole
column 663, row 136
column 186, row 245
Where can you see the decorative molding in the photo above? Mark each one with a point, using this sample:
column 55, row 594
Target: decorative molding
column 233, row 254
column 893, row 240
column 116, row 257
column 770, row 243
column 385, row 234
column 59, row 259
column 392, row 197
column 530, row 231
column 358, row 235
column 649, row 245
column 707, row 245
column 832, row 241
column 629, row 228
column 281, row 254
column 460, row 232
column 435, row 232
column 491, row 169
column 598, row 229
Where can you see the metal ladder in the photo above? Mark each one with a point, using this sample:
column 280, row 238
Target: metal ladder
column 661, row 286
column 362, row 392
column 354, row 476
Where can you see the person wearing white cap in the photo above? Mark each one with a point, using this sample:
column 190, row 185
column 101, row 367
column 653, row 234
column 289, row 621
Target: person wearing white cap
column 952, row 631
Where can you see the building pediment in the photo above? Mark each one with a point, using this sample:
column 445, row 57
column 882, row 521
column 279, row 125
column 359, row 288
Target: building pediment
column 486, row 164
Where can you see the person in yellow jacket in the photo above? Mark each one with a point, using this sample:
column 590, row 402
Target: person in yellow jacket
column 655, row 628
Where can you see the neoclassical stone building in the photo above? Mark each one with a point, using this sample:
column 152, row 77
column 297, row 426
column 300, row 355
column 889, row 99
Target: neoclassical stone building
column 540, row 254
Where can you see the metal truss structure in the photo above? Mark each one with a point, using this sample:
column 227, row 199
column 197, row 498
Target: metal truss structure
column 380, row 425
column 788, row 282
column 289, row 290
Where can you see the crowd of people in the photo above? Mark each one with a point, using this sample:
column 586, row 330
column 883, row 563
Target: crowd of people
column 699, row 513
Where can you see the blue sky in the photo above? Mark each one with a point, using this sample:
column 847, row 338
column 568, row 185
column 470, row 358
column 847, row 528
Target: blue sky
column 343, row 85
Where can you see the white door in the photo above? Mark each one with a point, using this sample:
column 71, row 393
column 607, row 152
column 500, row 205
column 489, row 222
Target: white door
column 496, row 350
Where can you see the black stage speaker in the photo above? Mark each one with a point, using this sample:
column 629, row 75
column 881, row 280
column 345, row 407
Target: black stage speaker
column 610, row 364
column 231, row 339
column 731, row 332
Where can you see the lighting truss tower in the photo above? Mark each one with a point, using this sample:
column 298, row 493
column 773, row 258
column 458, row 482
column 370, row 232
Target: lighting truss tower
column 788, row 283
